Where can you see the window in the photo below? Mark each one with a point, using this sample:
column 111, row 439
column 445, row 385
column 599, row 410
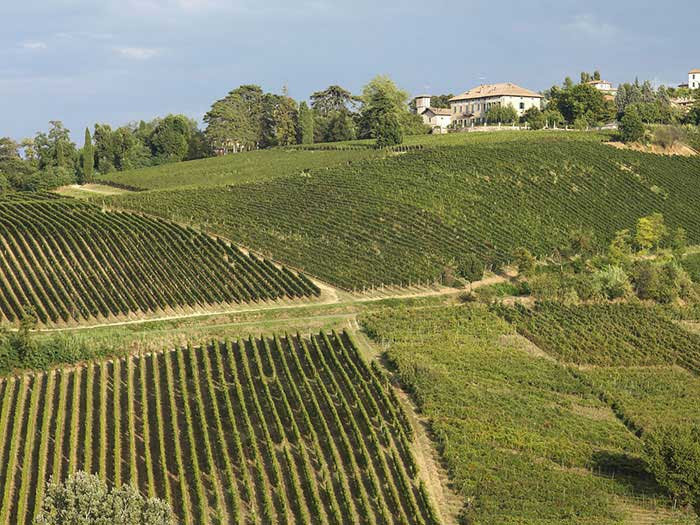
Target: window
column 522, row 105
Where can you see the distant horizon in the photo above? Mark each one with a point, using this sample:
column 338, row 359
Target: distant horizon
column 132, row 60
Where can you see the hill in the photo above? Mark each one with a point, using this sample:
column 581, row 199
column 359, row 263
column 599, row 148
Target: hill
column 234, row 169
column 402, row 218
column 526, row 438
column 271, row 430
column 72, row 262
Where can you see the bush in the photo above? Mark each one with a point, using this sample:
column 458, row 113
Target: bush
column 691, row 264
column 631, row 127
column 84, row 498
column 581, row 123
column 471, row 268
column 667, row 136
column 524, row 260
column 672, row 455
column 612, row 282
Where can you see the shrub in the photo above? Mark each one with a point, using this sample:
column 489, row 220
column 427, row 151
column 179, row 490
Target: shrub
column 85, row 498
column 691, row 264
column 612, row 282
column 524, row 260
column 631, row 127
column 471, row 268
column 581, row 123
column 667, row 136
column 672, row 455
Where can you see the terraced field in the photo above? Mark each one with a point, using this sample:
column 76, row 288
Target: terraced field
column 72, row 262
column 284, row 429
column 403, row 218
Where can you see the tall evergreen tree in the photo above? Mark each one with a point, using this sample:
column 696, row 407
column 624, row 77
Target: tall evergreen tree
column 88, row 158
column 306, row 124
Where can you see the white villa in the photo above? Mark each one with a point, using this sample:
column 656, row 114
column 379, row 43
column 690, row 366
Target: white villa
column 694, row 79
column 471, row 107
column 439, row 119
column 604, row 86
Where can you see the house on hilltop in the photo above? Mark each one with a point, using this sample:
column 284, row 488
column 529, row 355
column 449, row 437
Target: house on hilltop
column 439, row 119
column 471, row 107
column 694, row 79
column 605, row 87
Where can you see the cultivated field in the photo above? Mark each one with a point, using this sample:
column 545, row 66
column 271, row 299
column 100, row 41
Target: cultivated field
column 284, row 429
column 401, row 219
column 525, row 439
column 73, row 262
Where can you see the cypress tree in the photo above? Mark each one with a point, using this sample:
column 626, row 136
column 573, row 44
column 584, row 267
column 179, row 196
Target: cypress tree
column 306, row 124
column 88, row 157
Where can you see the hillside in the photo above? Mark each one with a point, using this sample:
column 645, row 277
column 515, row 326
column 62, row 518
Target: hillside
column 401, row 218
column 72, row 262
column 526, row 438
column 274, row 430
column 234, row 169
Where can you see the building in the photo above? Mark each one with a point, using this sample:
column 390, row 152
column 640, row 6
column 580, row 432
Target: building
column 471, row 107
column 439, row 119
column 694, row 79
column 603, row 86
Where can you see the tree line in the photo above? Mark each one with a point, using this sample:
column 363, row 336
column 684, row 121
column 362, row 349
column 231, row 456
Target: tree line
column 246, row 118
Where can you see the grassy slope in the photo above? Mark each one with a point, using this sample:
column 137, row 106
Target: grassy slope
column 234, row 169
column 522, row 436
column 403, row 217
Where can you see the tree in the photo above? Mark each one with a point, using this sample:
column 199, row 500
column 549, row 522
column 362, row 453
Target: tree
column 581, row 101
column 620, row 249
column 651, row 231
column 524, row 260
column 279, row 121
column 306, row 125
column 84, row 499
column 333, row 99
column 55, row 148
column 672, row 455
column 88, row 158
column 379, row 120
column 170, row 139
column 235, row 121
column 471, row 268
column 499, row 114
column 631, row 127
column 383, row 86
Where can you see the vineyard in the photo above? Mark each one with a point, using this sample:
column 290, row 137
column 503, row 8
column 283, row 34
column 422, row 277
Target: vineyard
column 72, row 262
column 525, row 440
column 233, row 169
column 401, row 219
column 606, row 334
column 273, row 430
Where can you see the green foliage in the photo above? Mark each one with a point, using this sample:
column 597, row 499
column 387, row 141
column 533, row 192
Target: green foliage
column 400, row 219
column 306, row 124
column 535, row 118
column 612, row 282
column 663, row 283
column 668, row 136
column 170, row 139
column 607, row 334
column 631, row 127
column 691, row 264
column 673, row 457
column 234, row 122
column 499, row 114
column 385, row 112
column 651, row 231
column 524, row 260
column 84, row 499
column 531, row 430
column 88, row 157
column 470, row 268
column 581, row 102
column 95, row 265
column 620, row 249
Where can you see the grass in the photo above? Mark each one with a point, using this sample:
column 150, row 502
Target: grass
column 525, row 440
column 234, row 169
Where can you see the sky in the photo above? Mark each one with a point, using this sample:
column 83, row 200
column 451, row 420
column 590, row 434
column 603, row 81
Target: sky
column 117, row 61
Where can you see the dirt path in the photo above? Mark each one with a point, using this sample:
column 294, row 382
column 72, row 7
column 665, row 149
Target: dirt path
column 329, row 296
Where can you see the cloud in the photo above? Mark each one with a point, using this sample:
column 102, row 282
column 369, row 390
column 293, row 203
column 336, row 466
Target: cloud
column 34, row 45
column 137, row 53
column 588, row 27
